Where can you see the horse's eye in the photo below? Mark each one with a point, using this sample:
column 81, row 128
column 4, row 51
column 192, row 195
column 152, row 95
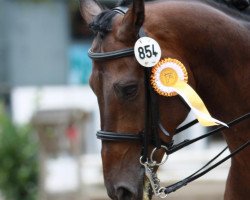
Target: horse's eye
column 126, row 91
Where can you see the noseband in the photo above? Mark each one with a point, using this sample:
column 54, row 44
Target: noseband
column 150, row 134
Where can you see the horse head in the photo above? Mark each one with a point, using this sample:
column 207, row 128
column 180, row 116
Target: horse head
column 120, row 88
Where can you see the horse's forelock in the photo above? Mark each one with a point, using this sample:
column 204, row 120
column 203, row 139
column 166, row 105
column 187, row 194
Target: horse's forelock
column 103, row 22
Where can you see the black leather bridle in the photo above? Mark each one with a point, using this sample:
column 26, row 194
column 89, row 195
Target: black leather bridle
column 150, row 134
column 151, row 105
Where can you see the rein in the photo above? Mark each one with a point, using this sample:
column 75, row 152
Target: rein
column 150, row 134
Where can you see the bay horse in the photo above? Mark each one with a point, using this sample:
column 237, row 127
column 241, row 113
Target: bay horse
column 213, row 43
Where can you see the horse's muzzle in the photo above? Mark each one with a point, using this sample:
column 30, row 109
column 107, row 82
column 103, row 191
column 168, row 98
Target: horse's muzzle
column 125, row 193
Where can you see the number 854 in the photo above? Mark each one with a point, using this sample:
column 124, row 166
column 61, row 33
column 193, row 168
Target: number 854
column 147, row 51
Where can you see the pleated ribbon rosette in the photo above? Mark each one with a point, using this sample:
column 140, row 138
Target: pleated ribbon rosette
column 170, row 78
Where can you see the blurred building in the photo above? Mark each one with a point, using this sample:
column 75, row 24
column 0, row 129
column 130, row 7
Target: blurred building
column 42, row 43
column 43, row 47
column 34, row 52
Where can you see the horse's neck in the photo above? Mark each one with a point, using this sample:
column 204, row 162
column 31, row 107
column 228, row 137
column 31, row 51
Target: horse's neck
column 216, row 49
column 222, row 79
column 221, row 71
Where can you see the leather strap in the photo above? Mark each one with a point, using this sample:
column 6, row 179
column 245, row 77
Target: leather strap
column 111, row 136
column 114, row 136
column 111, row 54
column 185, row 143
column 196, row 175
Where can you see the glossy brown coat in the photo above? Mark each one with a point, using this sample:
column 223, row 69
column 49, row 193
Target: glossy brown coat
column 214, row 45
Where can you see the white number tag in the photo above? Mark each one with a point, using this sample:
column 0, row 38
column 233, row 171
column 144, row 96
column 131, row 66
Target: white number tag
column 147, row 51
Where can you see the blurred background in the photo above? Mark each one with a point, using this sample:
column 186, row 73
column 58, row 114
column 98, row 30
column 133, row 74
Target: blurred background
column 49, row 116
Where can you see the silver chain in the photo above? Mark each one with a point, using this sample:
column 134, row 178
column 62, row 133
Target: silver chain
column 154, row 180
column 152, row 176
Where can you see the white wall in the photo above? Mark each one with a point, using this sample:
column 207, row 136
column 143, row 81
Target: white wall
column 25, row 101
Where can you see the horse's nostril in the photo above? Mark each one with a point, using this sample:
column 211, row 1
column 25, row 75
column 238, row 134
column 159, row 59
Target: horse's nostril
column 124, row 194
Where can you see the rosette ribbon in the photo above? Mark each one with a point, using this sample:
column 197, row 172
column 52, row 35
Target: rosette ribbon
column 196, row 104
column 169, row 78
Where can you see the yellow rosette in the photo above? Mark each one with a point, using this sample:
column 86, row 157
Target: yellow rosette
column 169, row 78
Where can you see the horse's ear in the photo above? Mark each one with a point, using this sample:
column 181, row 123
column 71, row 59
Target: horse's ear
column 89, row 9
column 132, row 21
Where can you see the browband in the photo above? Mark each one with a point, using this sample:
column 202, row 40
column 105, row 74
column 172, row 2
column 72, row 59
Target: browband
column 111, row 54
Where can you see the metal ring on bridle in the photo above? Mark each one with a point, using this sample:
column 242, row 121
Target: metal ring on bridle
column 142, row 162
column 163, row 161
column 161, row 193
